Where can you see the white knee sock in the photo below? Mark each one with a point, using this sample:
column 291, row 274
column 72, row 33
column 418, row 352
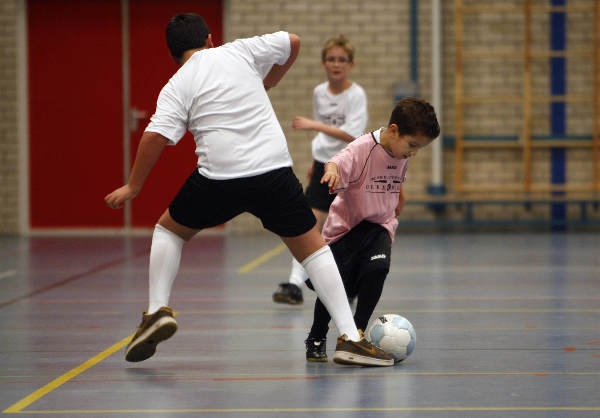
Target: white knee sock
column 326, row 280
column 165, row 256
column 297, row 275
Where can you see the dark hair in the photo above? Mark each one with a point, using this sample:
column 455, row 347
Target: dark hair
column 186, row 31
column 415, row 117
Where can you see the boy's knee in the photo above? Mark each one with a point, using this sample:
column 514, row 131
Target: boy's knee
column 376, row 272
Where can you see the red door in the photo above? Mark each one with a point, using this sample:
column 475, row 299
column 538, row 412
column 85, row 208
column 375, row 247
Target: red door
column 76, row 122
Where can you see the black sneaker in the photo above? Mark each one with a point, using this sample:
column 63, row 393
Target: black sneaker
column 315, row 350
column 288, row 293
column 154, row 328
column 361, row 353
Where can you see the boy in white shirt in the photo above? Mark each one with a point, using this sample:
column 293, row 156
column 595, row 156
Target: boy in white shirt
column 219, row 95
column 339, row 115
column 367, row 176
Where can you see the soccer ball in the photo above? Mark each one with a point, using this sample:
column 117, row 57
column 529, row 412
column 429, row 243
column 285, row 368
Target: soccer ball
column 394, row 334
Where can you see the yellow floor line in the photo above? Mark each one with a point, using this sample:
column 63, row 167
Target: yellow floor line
column 262, row 259
column 28, row 400
column 294, row 410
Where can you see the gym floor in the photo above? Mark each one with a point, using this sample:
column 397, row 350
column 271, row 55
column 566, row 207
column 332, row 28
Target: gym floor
column 507, row 323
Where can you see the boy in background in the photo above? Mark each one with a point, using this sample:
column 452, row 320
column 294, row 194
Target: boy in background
column 339, row 115
column 367, row 176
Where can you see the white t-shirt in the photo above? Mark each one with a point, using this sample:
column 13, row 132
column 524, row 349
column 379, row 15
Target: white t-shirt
column 218, row 94
column 346, row 111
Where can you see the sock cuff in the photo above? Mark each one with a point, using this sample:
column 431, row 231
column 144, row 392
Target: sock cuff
column 158, row 228
column 321, row 251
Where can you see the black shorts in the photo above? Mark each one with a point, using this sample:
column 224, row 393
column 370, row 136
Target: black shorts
column 274, row 197
column 366, row 248
column 317, row 194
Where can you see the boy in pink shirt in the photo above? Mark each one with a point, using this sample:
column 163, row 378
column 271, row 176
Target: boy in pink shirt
column 367, row 176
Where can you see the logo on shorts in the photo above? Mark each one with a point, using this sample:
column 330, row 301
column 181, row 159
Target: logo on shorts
column 392, row 167
column 378, row 256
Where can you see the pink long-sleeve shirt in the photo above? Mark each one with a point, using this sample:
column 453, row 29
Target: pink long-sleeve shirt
column 370, row 182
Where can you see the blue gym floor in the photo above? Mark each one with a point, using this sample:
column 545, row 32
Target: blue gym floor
column 508, row 325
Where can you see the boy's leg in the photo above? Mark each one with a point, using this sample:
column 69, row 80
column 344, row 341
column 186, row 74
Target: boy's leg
column 291, row 292
column 371, row 287
column 297, row 274
column 316, row 343
column 351, row 347
column 158, row 323
column 317, row 259
column 372, row 269
column 165, row 257
column 321, row 319
column 318, row 197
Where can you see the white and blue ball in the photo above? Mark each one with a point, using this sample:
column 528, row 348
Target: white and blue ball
column 394, row 334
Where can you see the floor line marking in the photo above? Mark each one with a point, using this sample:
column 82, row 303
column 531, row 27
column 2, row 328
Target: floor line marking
column 8, row 273
column 406, row 310
column 73, row 278
column 390, row 409
column 241, row 378
column 262, row 259
column 28, row 400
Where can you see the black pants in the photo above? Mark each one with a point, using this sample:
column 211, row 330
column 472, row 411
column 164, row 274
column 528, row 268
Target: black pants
column 363, row 258
column 274, row 197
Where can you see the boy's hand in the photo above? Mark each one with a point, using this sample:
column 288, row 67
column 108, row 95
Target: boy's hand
column 300, row 122
column 121, row 195
column 331, row 177
column 398, row 209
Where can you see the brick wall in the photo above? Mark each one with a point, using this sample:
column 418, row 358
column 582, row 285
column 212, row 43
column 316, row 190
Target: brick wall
column 380, row 32
column 9, row 146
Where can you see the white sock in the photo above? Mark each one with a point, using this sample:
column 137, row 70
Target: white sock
column 326, row 280
column 165, row 256
column 297, row 275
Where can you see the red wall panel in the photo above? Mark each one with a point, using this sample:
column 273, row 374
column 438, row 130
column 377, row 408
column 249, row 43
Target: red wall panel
column 75, row 116
column 75, row 108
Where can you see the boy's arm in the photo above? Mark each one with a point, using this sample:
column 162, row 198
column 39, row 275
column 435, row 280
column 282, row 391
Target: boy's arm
column 150, row 147
column 401, row 201
column 303, row 123
column 278, row 71
column 356, row 120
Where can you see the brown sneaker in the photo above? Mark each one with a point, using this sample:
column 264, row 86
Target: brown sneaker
column 361, row 353
column 154, row 328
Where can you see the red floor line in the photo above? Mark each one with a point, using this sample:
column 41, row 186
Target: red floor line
column 280, row 378
column 71, row 279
